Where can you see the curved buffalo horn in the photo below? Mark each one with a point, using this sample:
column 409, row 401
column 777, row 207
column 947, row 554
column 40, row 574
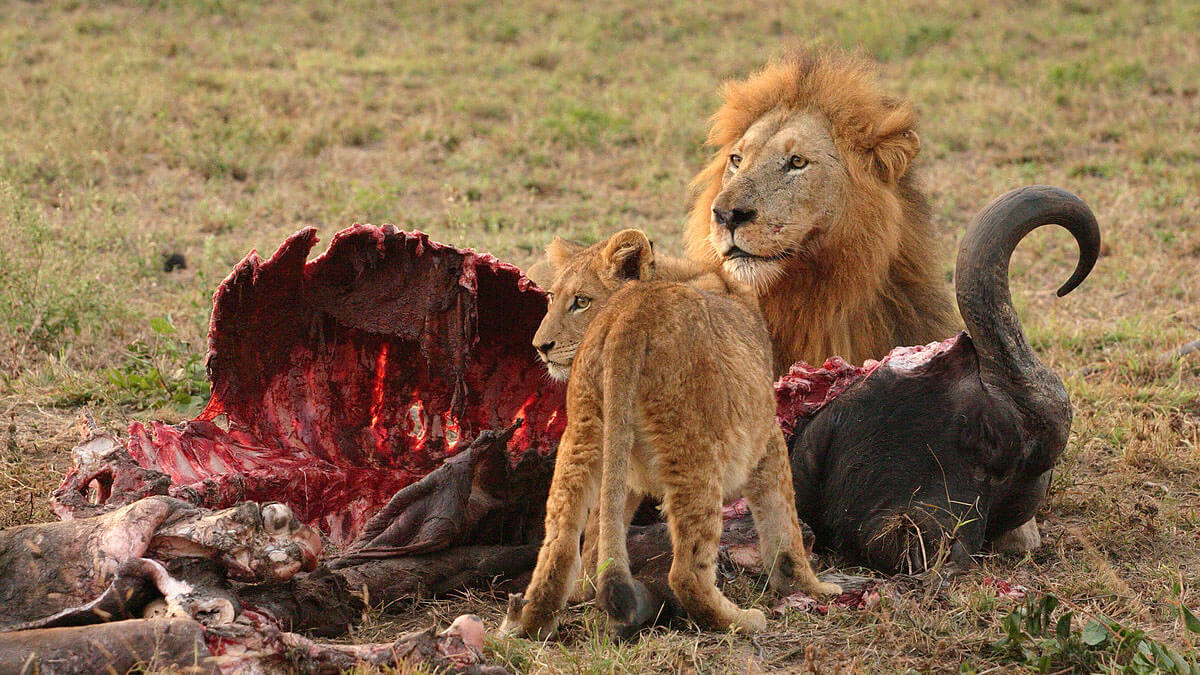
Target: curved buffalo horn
column 1008, row 366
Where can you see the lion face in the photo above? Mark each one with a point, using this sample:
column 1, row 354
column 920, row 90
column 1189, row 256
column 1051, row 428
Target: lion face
column 584, row 280
column 576, row 296
column 811, row 201
column 780, row 190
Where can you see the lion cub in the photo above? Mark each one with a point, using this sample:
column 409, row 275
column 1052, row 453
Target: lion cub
column 670, row 395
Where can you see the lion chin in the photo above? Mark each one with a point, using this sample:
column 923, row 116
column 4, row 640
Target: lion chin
column 558, row 372
column 757, row 273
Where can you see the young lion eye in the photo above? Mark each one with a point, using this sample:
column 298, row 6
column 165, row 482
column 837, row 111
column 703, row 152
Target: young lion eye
column 797, row 162
column 735, row 160
column 580, row 303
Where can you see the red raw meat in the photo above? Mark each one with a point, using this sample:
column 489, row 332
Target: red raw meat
column 804, row 390
column 348, row 377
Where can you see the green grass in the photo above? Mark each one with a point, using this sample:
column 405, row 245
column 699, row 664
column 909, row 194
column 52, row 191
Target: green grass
column 129, row 131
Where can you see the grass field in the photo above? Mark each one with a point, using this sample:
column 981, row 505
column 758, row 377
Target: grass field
column 132, row 131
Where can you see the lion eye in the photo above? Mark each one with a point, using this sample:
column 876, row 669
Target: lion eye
column 797, row 162
column 735, row 160
column 580, row 303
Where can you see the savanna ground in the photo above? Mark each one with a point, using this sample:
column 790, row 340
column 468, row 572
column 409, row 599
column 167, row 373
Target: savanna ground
column 132, row 131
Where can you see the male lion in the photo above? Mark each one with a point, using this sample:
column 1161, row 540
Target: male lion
column 811, row 200
column 670, row 395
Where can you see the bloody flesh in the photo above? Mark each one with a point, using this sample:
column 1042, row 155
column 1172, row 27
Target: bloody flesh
column 348, row 377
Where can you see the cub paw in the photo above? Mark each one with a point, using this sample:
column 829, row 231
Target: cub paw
column 750, row 621
column 619, row 598
column 522, row 620
column 824, row 588
column 511, row 625
column 788, row 577
column 628, row 602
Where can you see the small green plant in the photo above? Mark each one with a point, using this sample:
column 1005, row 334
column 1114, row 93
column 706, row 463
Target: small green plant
column 164, row 371
column 1035, row 638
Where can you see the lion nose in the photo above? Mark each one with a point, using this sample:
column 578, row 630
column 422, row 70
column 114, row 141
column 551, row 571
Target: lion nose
column 732, row 219
column 545, row 347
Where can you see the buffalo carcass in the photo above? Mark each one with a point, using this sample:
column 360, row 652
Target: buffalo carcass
column 940, row 449
column 341, row 380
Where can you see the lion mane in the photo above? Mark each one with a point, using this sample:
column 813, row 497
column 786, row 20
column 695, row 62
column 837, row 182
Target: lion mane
column 869, row 278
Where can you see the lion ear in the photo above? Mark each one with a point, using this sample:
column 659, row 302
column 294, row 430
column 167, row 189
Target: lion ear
column 560, row 251
column 896, row 143
column 541, row 273
column 627, row 256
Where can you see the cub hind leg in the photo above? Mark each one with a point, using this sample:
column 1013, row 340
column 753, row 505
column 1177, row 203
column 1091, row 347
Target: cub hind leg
column 572, row 489
column 626, row 600
column 772, row 501
column 585, row 587
column 693, row 507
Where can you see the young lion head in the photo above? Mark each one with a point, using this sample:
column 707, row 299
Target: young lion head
column 584, row 279
column 809, row 199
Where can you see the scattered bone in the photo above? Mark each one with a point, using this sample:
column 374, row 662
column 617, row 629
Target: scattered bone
column 66, row 568
column 254, row 644
column 863, row 598
column 103, row 477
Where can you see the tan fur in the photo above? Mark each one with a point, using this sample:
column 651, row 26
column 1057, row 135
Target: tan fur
column 846, row 262
column 670, row 394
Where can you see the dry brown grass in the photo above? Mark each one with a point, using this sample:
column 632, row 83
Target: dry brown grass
column 129, row 131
